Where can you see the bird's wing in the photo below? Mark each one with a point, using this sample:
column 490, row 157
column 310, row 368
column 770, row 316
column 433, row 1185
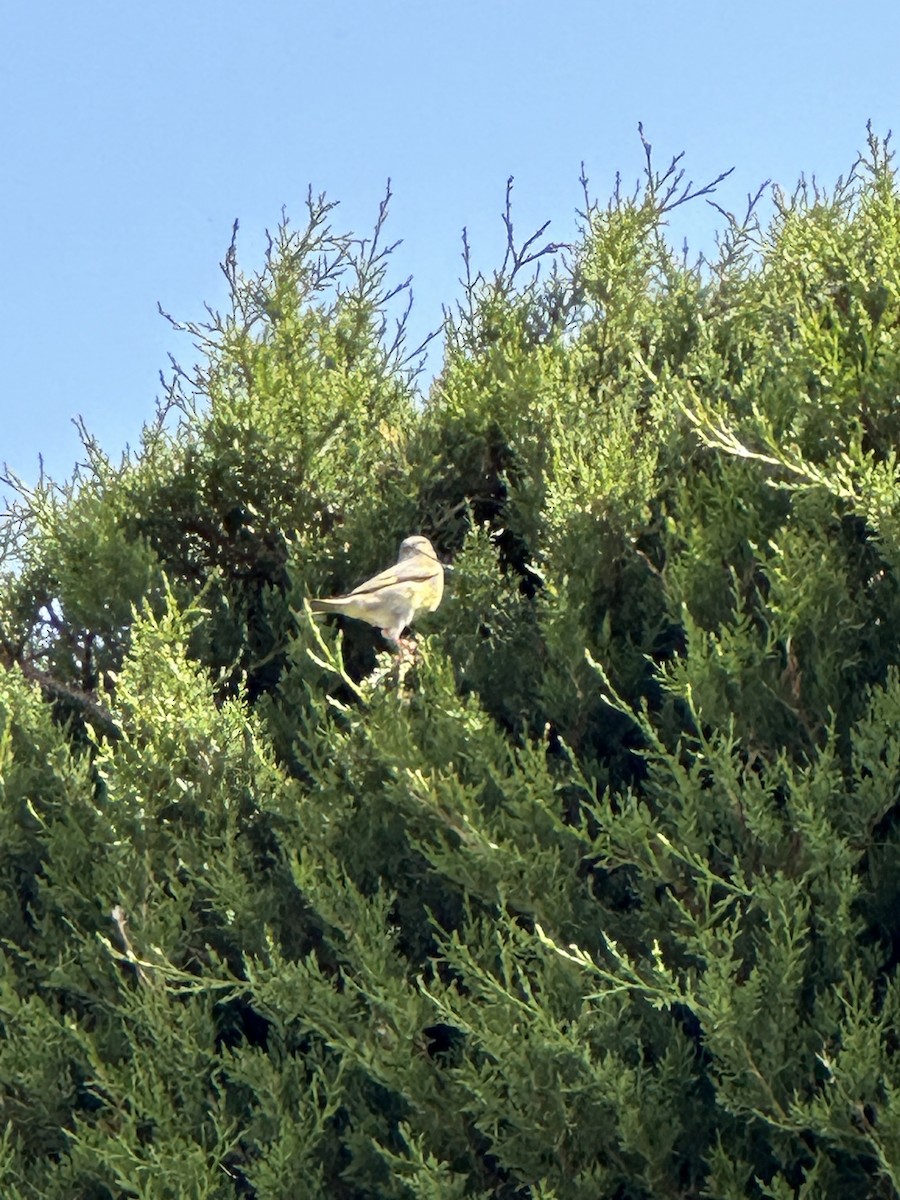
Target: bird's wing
column 411, row 570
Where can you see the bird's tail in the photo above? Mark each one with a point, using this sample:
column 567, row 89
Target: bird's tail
column 326, row 606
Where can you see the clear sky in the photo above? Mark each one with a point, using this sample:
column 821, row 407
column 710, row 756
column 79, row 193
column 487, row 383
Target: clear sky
column 133, row 134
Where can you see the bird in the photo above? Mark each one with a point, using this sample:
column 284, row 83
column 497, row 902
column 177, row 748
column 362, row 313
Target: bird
column 393, row 599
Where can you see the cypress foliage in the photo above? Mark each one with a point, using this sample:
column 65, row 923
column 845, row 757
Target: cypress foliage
column 594, row 897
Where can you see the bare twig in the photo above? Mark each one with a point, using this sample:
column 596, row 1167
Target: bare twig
column 517, row 257
column 663, row 189
column 120, row 920
column 87, row 705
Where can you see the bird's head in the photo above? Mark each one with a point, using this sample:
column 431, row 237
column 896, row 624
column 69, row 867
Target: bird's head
column 416, row 545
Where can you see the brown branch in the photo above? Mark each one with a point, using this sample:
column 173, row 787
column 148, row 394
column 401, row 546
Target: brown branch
column 87, row 705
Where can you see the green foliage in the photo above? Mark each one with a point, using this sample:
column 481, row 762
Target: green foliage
column 592, row 895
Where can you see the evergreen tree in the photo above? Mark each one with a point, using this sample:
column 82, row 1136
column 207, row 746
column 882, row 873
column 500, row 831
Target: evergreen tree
column 592, row 897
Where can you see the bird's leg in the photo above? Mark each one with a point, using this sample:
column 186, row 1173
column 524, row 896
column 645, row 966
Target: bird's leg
column 408, row 646
column 397, row 640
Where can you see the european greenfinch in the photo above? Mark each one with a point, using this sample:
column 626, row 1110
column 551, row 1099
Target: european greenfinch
column 392, row 600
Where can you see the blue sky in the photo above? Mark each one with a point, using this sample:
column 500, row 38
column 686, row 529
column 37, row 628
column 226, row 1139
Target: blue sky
column 132, row 135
